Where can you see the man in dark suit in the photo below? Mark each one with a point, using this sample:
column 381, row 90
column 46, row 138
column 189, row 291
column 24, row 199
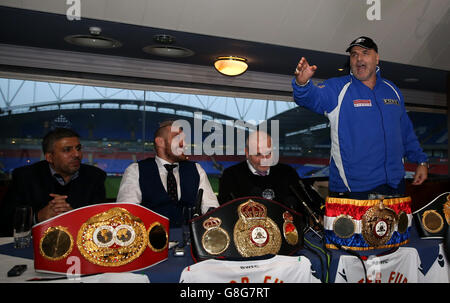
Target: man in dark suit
column 55, row 185
column 260, row 176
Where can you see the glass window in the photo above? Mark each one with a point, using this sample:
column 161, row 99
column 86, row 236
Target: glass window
column 117, row 126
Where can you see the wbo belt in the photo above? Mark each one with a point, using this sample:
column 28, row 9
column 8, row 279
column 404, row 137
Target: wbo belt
column 246, row 227
column 433, row 219
column 367, row 224
column 108, row 237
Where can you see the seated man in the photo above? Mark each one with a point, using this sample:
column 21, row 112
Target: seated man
column 259, row 176
column 169, row 182
column 54, row 185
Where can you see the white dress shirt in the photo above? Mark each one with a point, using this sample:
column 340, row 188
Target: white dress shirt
column 254, row 171
column 130, row 190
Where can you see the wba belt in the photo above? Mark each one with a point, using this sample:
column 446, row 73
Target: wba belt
column 433, row 219
column 367, row 224
column 109, row 237
column 246, row 227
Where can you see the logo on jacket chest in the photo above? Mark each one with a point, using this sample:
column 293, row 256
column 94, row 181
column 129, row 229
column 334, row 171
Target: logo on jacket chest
column 391, row 101
column 362, row 103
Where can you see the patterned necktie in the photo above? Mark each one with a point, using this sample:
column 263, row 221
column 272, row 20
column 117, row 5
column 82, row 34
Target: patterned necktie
column 171, row 182
column 261, row 173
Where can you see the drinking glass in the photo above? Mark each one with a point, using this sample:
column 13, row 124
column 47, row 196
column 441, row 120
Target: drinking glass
column 23, row 221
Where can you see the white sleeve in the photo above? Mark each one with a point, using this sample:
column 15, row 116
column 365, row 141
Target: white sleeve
column 129, row 189
column 209, row 197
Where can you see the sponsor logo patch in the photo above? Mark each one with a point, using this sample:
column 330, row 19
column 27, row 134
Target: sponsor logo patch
column 362, row 103
column 391, row 101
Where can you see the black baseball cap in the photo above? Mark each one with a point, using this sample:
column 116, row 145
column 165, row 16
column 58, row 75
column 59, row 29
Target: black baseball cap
column 363, row 41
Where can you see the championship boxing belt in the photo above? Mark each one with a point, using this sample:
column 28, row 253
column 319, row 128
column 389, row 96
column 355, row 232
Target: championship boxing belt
column 447, row 241
column 367, row 224
column 433, row 219
column 109, row 237
column 246, row 227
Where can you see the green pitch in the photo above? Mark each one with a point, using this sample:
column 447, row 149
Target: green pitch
column 112, row 186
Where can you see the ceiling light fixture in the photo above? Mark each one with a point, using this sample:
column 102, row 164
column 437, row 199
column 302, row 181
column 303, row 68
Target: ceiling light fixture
column 164, row 49
column 164, row 39
column 231, row 65
column 93, row 40
column 168, row 51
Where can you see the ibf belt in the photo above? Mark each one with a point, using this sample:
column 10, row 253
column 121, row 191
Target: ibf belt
column 109, row 237
column 247, row 227
column 433, row 219
column 367, row 224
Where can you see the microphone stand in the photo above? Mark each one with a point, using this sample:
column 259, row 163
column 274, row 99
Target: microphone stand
column 308, row 209
column 198, row 204
column 188, row 213
column 309, row 228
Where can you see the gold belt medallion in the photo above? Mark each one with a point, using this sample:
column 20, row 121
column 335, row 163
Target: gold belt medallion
column 254, row 233
column 432, row 221
column 402, row 225
column 447, row 210
column 158, row 239
column 56, row 243
column 344, row 226
column 289, row 230
column 112, row 238
column 215, row 240
column 378, row 224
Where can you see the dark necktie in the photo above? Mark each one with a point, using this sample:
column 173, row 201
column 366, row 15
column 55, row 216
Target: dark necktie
column 171, row 182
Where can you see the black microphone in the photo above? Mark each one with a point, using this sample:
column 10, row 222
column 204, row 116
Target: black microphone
column 198, row 204
column 311, row 213
column 311, row 200
column 304, row 189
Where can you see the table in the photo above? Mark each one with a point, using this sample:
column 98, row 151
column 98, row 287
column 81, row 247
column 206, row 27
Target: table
column 169, row 271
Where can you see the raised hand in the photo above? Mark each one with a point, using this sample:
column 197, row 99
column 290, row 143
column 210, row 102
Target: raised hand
column 304, row 71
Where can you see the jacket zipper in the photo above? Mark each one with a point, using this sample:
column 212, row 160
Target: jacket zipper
column 384, row 136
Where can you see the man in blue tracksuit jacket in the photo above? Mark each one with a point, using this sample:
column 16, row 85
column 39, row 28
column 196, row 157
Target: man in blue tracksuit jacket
column 371, row 132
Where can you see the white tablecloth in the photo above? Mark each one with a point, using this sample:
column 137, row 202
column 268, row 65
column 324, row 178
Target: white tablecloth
column 7, row 262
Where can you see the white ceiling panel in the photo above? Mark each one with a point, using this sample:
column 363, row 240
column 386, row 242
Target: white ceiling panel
column 412, row 32
column 121, row 11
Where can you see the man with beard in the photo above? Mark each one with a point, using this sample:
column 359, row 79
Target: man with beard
column 371, row 132
column 55, row 185
column 167, row 183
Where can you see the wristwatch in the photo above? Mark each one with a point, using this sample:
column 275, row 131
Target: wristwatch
column 425, row 164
